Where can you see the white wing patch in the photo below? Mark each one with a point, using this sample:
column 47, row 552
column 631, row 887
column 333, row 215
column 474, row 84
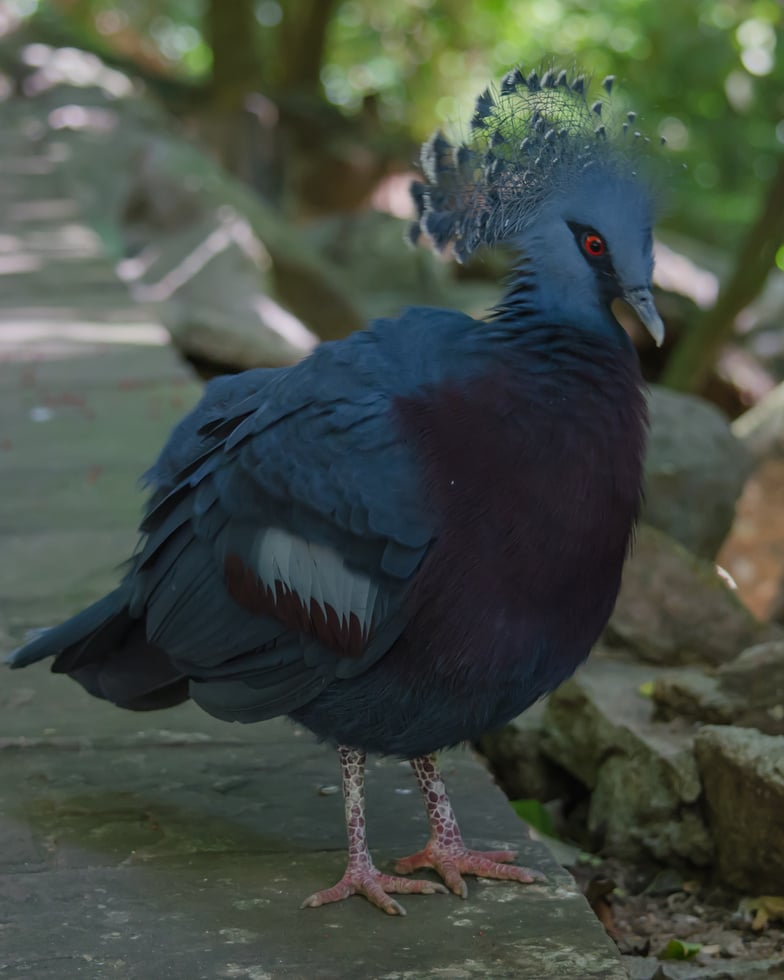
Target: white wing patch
column 317, row 574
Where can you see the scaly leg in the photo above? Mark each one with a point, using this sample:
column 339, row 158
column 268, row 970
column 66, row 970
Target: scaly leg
column 361, row 876
column 445, row 852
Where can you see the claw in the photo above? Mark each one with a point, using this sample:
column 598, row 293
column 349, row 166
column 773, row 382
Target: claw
column 376, row 887
column 445, row 852
column 452, row 863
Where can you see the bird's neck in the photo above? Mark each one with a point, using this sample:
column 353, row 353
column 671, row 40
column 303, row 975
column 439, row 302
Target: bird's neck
column 531, row 303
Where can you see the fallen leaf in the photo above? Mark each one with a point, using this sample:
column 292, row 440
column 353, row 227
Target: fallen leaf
column 677, row 949
column 535, row 815
column 598, row 893
column 585, row 858
column 765, row 909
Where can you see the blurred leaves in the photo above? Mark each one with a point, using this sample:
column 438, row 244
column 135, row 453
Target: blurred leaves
column 535, row 815
column 707, row 75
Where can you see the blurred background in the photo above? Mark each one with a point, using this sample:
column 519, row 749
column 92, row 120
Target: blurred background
column 318, row 107
column 230, row 178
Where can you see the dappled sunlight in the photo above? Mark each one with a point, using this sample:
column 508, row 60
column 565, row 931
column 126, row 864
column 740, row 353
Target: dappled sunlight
column 392, row 195
column 53, row 339
column 18, row 263
column 746, row 373
column 10, row 243
column 680, row 274
column 79, row 117
column 12, row 12
column 69, row 66
column 283, row 323
column 232, row 230
column 29, row 252
column 132, row 270
column 67, row 240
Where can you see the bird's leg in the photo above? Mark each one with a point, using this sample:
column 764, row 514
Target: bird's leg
column 445, row 852
column 361, row 876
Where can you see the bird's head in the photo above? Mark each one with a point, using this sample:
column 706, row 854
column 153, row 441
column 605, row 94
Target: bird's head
column 551, row 173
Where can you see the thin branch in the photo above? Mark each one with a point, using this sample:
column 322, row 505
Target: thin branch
column 696, row 354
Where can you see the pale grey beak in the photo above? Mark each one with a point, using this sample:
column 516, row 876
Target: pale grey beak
column 641, row 301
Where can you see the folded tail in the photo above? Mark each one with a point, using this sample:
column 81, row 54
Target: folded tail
column 105, row 649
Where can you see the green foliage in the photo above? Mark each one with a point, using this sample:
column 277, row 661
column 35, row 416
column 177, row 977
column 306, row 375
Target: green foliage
column 163, row 32
column 535, row 815
column 704, row 74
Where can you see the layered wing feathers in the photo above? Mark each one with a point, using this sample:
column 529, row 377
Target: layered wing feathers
column 287, row 519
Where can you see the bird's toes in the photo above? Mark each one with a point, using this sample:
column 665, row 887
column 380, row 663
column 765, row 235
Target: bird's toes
column 336, row 893
column 422, row 859
column 500, row 857
column 454, row 880
column 376, row 895
column 376, row 887
column 443, row 865
column 410, row 886
column 486, row 865
column 452, row 863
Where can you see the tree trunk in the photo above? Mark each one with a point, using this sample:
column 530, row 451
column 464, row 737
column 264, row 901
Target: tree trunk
column 694, row 357
column 232, row 29
column 303, row 34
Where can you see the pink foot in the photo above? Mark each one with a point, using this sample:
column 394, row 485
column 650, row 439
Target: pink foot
column 445, row 852
column 376, row 887
column 362, row 877
column 453, row 862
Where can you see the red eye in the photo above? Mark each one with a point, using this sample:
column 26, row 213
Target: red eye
column 594, row 245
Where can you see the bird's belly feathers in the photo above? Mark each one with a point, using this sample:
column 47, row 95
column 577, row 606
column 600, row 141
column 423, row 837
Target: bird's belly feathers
column 534, row 525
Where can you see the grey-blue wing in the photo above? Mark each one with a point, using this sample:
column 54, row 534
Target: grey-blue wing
column 286, row 524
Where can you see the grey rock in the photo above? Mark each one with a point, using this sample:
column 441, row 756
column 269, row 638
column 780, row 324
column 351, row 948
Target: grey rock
column 695, row 469
column 642, row 774
column 649, row 968
column 129, row 850
column 175, row 186
column 757, row 675
column 220, row 309
column 743, row 774
column 515, row 755
column 675, row 608
column 761, row 429
column 369, row 247
column 694, row 694
column 747, row 691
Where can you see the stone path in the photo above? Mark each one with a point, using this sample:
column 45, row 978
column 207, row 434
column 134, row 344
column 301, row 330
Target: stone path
column 170, row 845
